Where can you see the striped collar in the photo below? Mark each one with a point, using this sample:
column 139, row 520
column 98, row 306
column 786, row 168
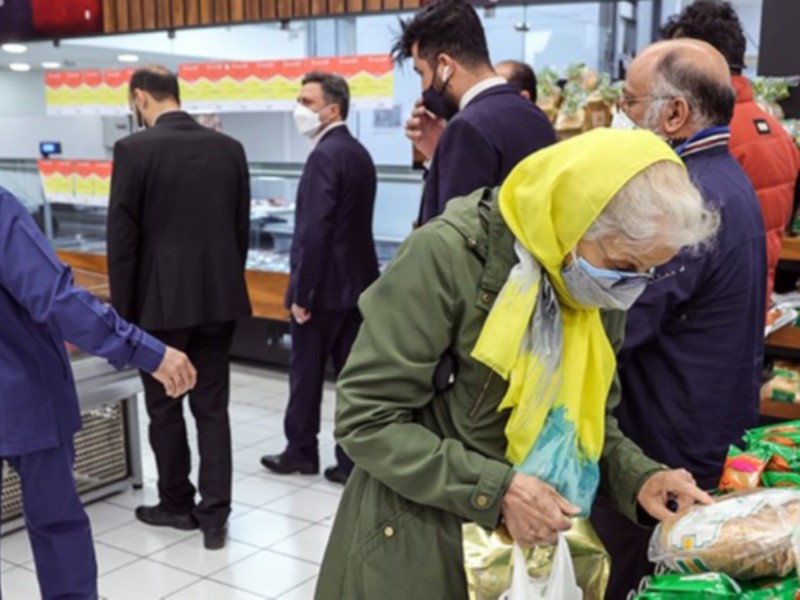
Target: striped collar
column 712, row 137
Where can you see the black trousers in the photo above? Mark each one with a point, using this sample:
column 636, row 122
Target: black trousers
column 328, row 335
column 207, row 347
column 627, row 543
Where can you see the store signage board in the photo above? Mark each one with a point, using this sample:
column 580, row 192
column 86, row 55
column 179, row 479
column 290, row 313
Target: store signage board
column 265, row 86
column 81, row 183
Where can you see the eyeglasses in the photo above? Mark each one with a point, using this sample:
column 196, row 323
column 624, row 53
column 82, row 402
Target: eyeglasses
column 631, row 278
column 626, row 102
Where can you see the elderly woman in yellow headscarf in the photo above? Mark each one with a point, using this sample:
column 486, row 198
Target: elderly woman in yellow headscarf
column 477, row 389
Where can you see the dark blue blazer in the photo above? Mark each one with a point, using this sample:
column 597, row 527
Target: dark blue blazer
column 691, row 364
column 333, row 255
column 39, row 309
column 482, row 144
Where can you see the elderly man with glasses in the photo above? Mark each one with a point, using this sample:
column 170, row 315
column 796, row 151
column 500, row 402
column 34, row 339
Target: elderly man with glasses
column 690, row 366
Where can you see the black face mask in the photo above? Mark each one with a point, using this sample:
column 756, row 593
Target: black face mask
column 438, row 102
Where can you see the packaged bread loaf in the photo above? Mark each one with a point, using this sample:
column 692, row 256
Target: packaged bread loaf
column 746, row 535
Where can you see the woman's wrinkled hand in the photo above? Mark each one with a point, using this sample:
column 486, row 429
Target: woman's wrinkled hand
column 670, row 492
column 176, row 373
column 534, row 512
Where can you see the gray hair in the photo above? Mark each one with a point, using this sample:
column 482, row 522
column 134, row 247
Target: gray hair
column 711, row 102
column 659, row 206
column 334, row 89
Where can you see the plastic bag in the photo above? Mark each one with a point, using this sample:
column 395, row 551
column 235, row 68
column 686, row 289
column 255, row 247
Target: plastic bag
column 746, row 536
column 488, row 560
column 559, row 585
column 785, row 434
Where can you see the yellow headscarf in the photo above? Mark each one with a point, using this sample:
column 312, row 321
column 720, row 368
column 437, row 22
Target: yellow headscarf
column 549, row 201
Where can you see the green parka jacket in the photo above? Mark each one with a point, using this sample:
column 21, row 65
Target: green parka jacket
column 427, row 461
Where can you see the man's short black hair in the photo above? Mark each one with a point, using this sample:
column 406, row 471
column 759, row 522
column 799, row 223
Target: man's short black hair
column 159, row 82
column 334, row 89
column 713, row 22
column 444, row 26
column 523, row 76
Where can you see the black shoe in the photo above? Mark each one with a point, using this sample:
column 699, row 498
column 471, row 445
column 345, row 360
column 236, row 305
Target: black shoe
column 159, row 517
column 284, row 465
column 336, row 475
column 214, row 538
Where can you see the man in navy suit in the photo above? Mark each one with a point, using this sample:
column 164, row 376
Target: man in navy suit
column 40, row 307
column 333, row 260
column 490, row 126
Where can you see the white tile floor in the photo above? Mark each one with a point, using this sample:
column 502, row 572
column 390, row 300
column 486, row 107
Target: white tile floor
column 278, row 530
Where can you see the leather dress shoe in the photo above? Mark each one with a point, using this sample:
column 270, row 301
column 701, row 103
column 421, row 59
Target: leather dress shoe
column 160, row 517
column 336, row 475
column 214, row 537
column 285, row 465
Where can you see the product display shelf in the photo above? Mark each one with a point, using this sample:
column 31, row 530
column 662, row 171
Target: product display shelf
column 784, row 343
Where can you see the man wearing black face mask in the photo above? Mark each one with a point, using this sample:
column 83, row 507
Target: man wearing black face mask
column 178, row 232
column 490, row 127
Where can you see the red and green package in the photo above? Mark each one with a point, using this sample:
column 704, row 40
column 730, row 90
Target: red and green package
column 690, row 587
column 773, row 480
column 743, row 470
column 785, row 434
column 784, row 459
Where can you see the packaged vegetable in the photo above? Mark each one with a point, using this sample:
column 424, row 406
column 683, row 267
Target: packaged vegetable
column 743, row 470
column 690, row 587
column 780, row 480
column 746, row 536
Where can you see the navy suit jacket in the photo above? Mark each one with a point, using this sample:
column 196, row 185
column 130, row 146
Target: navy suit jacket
column 482, row 144
column 691, row 364
column 333, row 252
column 39, row 309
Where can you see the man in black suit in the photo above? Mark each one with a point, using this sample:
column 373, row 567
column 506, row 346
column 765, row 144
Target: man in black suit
column 333, row 260
column 521, row 75
column 490, row 126
column 178, row 228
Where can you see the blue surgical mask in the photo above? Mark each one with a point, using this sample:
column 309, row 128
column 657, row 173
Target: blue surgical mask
column 593, row 287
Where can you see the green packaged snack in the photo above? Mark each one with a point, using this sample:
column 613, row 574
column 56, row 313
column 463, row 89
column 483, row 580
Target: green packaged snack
column 774, row 480
column 772, row 589
column 785, row 434
column 743, row 470
column 785, row 459
column 690, row 587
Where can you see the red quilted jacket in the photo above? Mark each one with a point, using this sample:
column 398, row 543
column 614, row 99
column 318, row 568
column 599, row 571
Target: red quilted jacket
column 770, row 158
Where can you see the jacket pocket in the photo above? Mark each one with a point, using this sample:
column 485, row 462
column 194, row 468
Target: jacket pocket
column 483, row 393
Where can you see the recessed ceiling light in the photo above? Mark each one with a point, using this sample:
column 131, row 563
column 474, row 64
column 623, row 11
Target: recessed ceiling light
column 128, row 58
column 14, row 48
column 20, row 67
column 51, row 65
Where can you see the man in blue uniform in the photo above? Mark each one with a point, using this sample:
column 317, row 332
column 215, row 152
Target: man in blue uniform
column 691, row 364
column 40, row 308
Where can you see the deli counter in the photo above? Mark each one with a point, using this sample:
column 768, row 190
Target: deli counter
column 78, row 234
column 107, row 449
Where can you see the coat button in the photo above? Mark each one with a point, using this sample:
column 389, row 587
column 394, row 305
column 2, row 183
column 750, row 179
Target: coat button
column 482, row 501
column 472, row 242
column 486, row 298
column 388, row 532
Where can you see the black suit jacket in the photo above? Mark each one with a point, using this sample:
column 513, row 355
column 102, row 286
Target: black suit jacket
column 333, row 252
column 482, row 144
column 178, row 226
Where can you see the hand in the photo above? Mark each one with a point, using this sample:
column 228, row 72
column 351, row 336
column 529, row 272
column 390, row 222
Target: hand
column 176, row 373
column 534, row 512
column 301, row 315
column 676, row 486
column 424, row 129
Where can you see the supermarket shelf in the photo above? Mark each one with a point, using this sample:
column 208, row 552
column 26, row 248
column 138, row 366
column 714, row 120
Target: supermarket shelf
column 784, row 343
column 784, row 411
column 790, row 252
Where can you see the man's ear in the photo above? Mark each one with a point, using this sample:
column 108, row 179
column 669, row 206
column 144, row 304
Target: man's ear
column 678, row 116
